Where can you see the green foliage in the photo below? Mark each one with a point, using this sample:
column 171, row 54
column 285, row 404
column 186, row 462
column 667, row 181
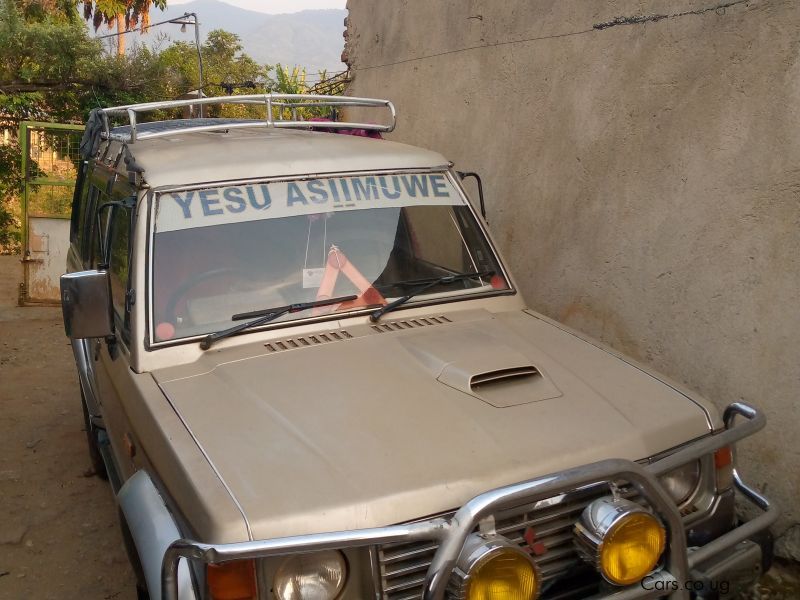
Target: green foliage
column 134, row 12
column 10, row 191
column 38, row 10
column 41, row 64
column 290, row 82
column 223, row 63
column 52, row 70
column 293, row 81
column 227, row 71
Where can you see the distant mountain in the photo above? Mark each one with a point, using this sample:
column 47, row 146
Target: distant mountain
column 310, row 38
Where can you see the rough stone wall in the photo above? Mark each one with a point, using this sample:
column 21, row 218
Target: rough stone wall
column 641, row 160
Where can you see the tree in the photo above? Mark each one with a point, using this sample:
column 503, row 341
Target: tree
column 37, row 10
column 51, row 70
column 125, row 14
column 10, row 190
column 44, row 56
column 227, row 71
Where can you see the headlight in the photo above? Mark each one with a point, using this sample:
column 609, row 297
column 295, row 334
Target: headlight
column 621, row 538
column 490, row 568
column 317, row 576
column 682, row 482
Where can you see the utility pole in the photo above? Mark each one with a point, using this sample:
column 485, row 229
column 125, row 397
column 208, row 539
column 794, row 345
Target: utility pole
column 191, row 19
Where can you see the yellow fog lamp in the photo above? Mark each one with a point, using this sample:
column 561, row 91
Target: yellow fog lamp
column 622, row 539
column 494, row 568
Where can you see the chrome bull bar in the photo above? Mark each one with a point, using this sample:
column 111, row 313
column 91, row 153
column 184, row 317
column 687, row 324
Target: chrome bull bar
column 451, row 534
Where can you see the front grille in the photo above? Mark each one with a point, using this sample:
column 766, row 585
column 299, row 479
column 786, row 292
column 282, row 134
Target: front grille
column 403, row 565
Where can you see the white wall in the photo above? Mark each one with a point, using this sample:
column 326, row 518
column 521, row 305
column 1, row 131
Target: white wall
column 643, row 179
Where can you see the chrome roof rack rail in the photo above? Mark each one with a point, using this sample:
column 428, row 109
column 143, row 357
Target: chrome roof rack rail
column 270, row 102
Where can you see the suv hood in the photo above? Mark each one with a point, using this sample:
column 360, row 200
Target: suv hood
column 393, row 423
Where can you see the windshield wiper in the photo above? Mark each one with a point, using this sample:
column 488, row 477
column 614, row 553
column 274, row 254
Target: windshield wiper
column 446, row 280
column 268, row 315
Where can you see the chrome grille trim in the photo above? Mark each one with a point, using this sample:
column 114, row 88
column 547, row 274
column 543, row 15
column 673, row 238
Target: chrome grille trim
column 451, row 535
column 403, row 565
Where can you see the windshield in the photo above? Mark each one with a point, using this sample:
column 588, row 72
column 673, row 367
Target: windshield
column 228, row 251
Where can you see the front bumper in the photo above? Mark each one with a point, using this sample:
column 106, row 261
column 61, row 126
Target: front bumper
column 723, row 556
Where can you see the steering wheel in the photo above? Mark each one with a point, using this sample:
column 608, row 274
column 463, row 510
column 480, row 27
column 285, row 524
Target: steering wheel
column 192, row 281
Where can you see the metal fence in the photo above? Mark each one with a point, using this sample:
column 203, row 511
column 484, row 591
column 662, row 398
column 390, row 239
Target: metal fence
column 50, row 159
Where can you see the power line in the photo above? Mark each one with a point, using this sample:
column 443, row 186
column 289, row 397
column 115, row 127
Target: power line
column 142, row 27
column 478, row 47
column 595, row 28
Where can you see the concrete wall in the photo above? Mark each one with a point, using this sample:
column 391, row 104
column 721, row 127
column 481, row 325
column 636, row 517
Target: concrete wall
column 643, row 177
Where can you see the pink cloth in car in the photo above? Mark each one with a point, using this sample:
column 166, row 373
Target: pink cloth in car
column 357, row 132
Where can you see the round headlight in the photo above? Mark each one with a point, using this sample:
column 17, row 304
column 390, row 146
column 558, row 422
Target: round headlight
column 493, row 568
column 318, row 576
column 682, row 482
column 621, row 538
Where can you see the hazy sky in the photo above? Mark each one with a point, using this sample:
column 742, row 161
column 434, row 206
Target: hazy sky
column 278, row 6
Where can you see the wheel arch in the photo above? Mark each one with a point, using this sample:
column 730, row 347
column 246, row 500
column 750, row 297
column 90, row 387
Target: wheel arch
column 152, row 529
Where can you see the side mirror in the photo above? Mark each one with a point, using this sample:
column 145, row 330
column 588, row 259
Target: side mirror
column 86, row 303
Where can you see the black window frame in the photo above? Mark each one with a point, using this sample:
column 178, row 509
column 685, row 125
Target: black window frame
column 80, row 200
column 99, row 186
column 104, row 205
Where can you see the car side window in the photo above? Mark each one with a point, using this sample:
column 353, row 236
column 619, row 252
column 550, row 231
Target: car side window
column 111, row 225
column 88, row 235
column 80, row 200
column 96, row 226
column 119, row 259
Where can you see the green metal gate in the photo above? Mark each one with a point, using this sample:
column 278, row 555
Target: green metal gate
column 50, row 159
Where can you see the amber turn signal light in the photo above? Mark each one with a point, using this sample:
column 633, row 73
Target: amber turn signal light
column 234, row 580
column 723, row 463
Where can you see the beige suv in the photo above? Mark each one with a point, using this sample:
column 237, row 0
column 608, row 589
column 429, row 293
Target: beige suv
column 308, row 374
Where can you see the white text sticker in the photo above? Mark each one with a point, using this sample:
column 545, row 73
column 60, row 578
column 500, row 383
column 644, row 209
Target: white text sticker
column 235, row 204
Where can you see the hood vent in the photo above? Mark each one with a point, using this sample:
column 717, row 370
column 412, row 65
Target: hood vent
column 503, row 375
column 308, row 340
column 410, row 324
column 480, row 365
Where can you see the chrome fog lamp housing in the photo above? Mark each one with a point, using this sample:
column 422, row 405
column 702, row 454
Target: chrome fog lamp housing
column 316, row 576
column 681, row 483
column 491, row 566
column 622, row 539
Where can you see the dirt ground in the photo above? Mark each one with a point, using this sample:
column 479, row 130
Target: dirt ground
column 59, row 536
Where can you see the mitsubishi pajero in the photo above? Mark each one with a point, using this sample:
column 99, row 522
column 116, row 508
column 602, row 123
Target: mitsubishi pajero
column 308, row 374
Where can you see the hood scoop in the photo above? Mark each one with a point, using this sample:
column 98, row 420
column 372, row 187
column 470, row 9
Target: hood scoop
column 482, row 367
column 503, row 375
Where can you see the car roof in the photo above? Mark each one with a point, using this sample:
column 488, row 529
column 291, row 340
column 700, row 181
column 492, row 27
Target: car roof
column 188, row 158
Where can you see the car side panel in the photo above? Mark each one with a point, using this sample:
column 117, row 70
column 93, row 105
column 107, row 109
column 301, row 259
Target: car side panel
column 114, row 381
column 153, row 529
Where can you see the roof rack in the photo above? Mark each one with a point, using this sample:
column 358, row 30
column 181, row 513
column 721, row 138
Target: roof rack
column 270, row 102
